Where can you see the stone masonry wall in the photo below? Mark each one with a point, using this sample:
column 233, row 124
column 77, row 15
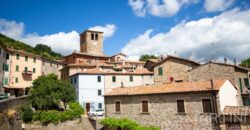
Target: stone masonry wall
column 175, row 68
column 163, row 110
column 12, row 103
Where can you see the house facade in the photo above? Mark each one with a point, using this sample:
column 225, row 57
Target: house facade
column 185, row 105
column 4, row 68
column 236, row 74
column 172, row 69
column 92, row 85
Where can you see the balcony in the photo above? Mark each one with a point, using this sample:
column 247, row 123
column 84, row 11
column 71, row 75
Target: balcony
column 28, row 73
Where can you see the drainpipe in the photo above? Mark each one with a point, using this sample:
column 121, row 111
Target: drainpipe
column 214, row 105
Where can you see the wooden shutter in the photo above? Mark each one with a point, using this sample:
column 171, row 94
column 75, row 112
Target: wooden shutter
column 117, row 106
column 145, row 106
column 207, row 107
column 180, row 106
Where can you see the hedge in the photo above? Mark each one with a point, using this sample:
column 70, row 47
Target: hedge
column 126, row 124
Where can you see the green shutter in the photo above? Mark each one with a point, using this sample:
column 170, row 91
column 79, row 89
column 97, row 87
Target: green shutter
column 131, row 78
column 16, row 80
column 17, row 56
column 240, row 83
column 17, row 68
column 160, row 71
column 34, row 70
column 6, row 81
column 6, row 67
column 113, row 78
column 26, row 69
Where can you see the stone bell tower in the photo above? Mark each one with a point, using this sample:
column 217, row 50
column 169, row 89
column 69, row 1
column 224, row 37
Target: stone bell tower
column 91, row 42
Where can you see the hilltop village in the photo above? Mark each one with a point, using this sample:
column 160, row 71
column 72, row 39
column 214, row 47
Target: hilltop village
column 169, row 92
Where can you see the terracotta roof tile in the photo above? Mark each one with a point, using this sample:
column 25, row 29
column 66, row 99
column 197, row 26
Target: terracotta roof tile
column 236, row 110
column 178, row 87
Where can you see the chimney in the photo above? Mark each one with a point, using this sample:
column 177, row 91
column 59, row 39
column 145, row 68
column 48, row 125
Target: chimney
column 225, row 60
column 122, row 85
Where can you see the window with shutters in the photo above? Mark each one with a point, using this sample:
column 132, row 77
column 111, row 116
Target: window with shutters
column 7, row 56
column 34, row 70
column 207, row 105
column 26, row 58
column 16, row 80
column 6, row 67
column 17, row 68
column 160, row 72
column 113, row 78
column 131, row 78
column 99, row 92
column 99, row 79
column 117, row 106
column 180, row 106
column 25, row 69
column 100, row 105
column 17, row 56
column 145, row 106
column 246, row 81
column 34, row 59
column 6, row 81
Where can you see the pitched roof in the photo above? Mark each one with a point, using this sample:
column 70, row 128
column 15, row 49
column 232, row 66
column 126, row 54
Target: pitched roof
column 236, row 110
column 177, row 87
column 175, row 57
column 225, row 64
column 96, row 71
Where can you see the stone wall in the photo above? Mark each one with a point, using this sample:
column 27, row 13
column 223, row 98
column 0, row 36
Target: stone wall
column 163, row 110
column 12, row 103
column 175, row 68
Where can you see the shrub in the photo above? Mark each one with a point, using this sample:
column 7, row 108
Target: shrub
column 26, row 113
column 125, row 123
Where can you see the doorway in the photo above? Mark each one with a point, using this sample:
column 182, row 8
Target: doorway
column 87, row 107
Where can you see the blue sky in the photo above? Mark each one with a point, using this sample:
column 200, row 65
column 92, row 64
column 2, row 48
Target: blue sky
column 35, row 21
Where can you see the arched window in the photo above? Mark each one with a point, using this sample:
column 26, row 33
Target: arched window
column 96, row 36
column 92, row 36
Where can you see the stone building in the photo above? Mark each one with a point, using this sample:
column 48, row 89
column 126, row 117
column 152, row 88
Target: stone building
column 236, row 74
column 4, row 68
column 52, row 66
column 172, row 69
column 179, row 105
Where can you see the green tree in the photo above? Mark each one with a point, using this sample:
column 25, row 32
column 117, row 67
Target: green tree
column 146, row 57
column 67, row 93
column 245, row 63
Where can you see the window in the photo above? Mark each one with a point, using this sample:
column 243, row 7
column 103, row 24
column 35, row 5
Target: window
column 34, row 70
column 17, row 68
column 17, row 56
column 131, row 79
column 180, row 106
column 6, row 67
column 99, row 78
column 26, row 58
column 16, row 80
column 75, row 80
column 99, row 92
column 26, row 69
column 6, row 81
column 160, row 71
column 117, row 106
column 71, row 80
column 206, row 104
column 246, row 81
column 96, row 36
column 34, row 59
column 92, row 36
column 100, row 105
column 113, row 78
column 145, row 106
column 7, row 56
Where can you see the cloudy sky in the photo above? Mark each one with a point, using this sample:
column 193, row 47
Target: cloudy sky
column 197, row 29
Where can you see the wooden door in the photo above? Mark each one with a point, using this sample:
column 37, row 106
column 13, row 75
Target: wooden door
column 233, row 126
column 88, row 107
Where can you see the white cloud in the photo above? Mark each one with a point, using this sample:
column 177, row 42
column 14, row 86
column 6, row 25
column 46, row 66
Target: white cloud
column 159, row 8
column 63, row 42
column 108, row 29
column 225, row 35
column 217, row 5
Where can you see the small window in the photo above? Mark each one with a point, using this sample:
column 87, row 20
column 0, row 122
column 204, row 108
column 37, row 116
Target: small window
column 96, row 36
column 131, row 79
column 7, row 56
column 16, row 80
column 92, row 36
column 17, row 56
column 6, row 67
column 26, row 69
column 160, row 73
column 113, row 78
column 117, row 106
column 75, row 80
column 26, row 58
column 17, row 68
column 180, row 106
column 99, row 78
column 206, row 104
column 6, row 81
column 99, row 92
column 246, row 81
column 34, row 70
column 100, row 105
column 145, row 106
column 34, row 59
